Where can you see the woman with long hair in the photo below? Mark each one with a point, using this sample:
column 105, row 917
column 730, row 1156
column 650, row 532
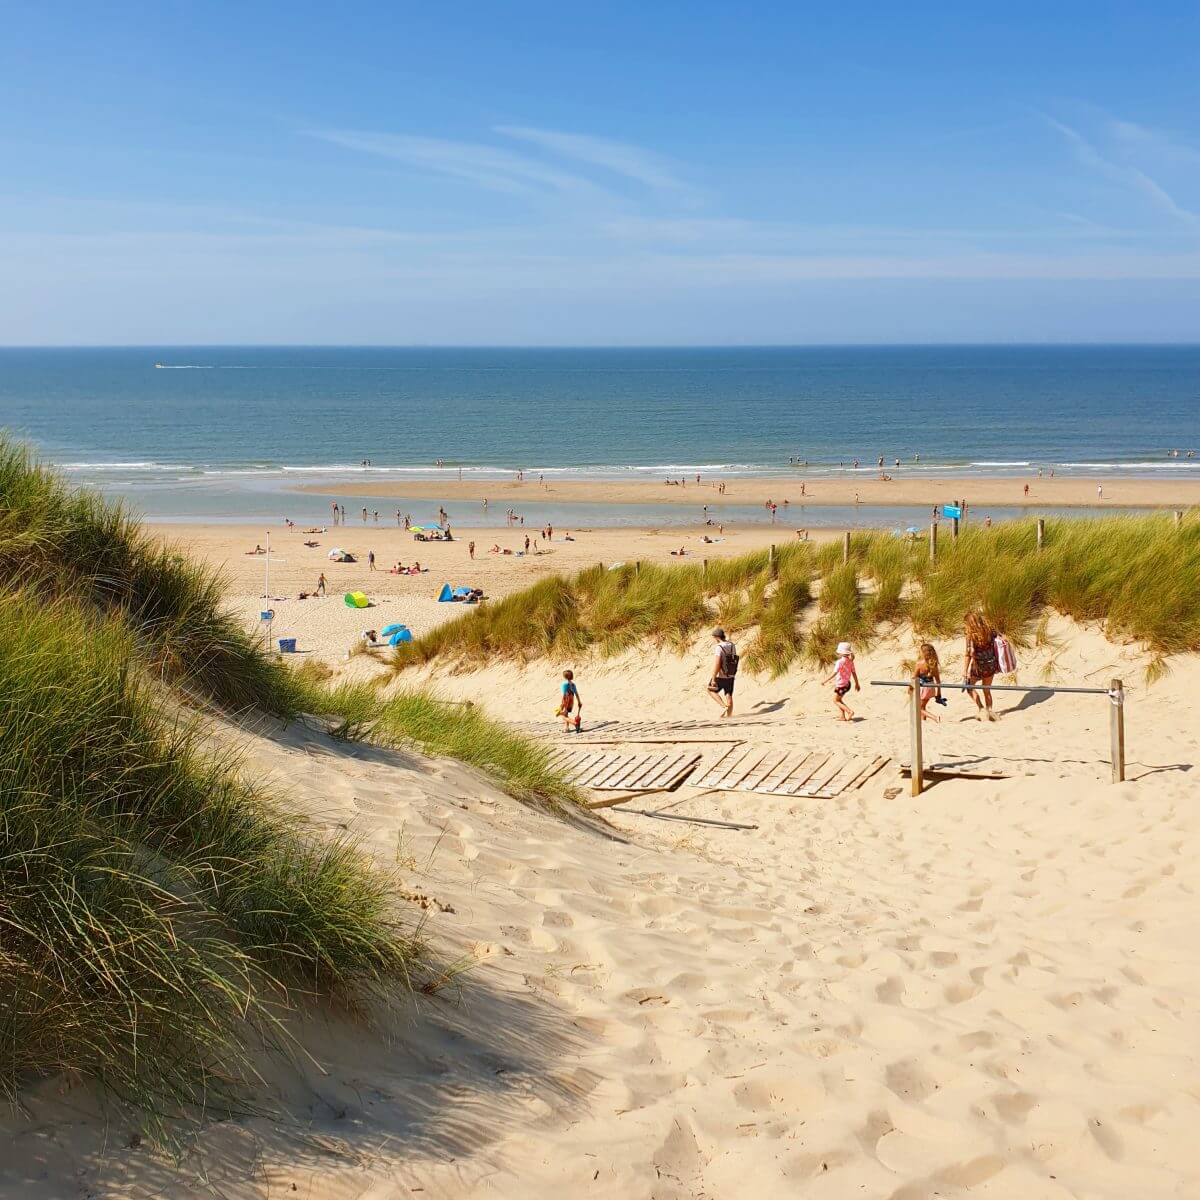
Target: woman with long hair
column 981, row 662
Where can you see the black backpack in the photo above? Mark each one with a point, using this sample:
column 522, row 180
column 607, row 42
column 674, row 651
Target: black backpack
column 729, row 660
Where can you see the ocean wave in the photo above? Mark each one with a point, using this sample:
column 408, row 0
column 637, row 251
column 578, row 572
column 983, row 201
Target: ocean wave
column 126, row 466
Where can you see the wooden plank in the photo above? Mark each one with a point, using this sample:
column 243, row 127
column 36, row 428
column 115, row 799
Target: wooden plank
column 646, row 768
column 778, row 784
column 872, row 770
column 646, row 763
column 865, row 767
column 762, row 770
column 614, row 767
column 722, row 766
column 810, row 769
column 734, row 766
column 622, row 767
column 597, row 770
column 678, row 774
column 733, row 781
column 821, row 780
column 778, row 773
column 667, row 766
column 583, row 764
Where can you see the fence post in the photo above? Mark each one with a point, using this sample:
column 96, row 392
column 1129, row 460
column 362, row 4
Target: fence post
column 1178, row 517
column 1041, row 531
column 637, row 567
column 846, row 546
column 954, row 529
column 917, row 750
column 772, row 562
column 1116, row 727
column 704, row 568
column 933, row 541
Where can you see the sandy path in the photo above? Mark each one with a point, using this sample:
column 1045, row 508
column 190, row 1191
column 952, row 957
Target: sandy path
column 989, row 991
column 864, row 488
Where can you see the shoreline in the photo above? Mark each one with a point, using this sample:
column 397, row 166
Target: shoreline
column 979, row 491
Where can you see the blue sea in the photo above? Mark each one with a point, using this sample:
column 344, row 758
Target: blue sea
column 227, row 433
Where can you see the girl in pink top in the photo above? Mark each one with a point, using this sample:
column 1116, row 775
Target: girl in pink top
column 846, row 675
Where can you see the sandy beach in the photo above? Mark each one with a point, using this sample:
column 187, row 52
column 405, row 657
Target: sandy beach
column 326, row 627
column 866, row 488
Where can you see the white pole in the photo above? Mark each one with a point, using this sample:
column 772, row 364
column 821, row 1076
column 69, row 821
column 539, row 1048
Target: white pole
column 267, row 578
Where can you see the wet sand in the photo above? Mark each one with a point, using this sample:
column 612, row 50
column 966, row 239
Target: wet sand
column 915, row 490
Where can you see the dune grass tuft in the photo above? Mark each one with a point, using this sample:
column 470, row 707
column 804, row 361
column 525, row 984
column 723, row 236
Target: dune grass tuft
column 1138, row 575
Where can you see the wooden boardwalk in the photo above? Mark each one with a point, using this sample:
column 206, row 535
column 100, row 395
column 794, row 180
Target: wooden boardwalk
column 790, row 772
column 634, row 766
column 651, row 763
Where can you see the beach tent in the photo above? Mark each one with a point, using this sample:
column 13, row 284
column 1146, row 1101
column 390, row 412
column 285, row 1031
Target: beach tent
column 356, row 600
column 445, row 595
column 337, row 554
column 387, row 630
column 403, row 634
column 463, row 591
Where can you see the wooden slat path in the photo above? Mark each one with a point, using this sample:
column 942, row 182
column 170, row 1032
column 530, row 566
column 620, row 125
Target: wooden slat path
column 788, row 772
column 631, row 767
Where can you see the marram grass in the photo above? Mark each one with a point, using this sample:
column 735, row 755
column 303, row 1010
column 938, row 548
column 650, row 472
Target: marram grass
column 1138, row 576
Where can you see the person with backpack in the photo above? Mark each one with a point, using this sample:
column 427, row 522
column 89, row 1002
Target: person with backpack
column 724, row 672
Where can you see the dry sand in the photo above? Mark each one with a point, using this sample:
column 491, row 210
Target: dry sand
column 867, row 488
column 992, row 990
column 324, row 626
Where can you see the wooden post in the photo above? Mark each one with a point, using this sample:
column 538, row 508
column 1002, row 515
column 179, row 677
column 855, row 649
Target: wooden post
column 933, row 541
column 637, row 567
column 917, row 750
column 846, row 546
column 954, row 529
column 704, row 568
column 1116, row 728
column 1041, row 531
column 1178, row 517
column 772, row 562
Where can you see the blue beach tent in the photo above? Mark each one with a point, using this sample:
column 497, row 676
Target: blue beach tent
column 445, row 595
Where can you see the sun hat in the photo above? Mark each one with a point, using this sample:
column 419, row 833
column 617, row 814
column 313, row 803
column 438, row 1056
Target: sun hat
column 845, row 648
column 719, row 633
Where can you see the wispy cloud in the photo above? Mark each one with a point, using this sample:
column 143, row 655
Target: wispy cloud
column 621, row 158
column 488, row 167
column 1130, row 176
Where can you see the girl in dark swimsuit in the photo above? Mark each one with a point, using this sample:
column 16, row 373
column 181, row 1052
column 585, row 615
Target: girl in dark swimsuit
column 981, row 662
column 929, row 677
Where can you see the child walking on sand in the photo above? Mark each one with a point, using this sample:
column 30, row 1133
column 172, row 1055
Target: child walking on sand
column 929, row 677
column 845, row 674
column 571, row 702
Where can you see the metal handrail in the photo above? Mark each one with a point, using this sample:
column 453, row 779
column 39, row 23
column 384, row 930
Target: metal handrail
column 997, row 687
column 1115, row 694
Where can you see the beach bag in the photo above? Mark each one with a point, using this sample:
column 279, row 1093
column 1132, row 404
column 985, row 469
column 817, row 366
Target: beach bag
column 1006, row 657
column 729, row 660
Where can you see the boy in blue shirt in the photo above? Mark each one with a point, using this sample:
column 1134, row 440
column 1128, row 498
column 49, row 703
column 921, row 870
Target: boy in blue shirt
column 570, row 703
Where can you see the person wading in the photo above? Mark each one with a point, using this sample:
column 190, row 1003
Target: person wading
column 724, row 671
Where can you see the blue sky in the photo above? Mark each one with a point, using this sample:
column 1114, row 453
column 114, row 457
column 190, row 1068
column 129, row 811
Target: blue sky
column 671, row 173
